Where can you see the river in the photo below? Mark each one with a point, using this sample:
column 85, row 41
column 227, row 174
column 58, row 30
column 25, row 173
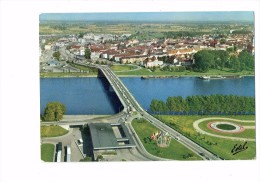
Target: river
column 93, row 96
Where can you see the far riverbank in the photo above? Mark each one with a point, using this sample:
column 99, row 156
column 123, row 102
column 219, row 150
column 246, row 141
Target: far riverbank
column 131, row 71
column 141, row 76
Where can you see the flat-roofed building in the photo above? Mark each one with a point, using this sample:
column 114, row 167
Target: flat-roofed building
column 108, row 137
column 103, row 136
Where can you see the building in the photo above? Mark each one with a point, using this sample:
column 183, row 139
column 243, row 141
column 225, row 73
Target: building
column 78, row 50
column 53, row 63
column 152, row 62
column 48, row 47
column 108, row 137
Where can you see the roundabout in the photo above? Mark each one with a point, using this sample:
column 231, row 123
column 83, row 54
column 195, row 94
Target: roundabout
column 223, row 126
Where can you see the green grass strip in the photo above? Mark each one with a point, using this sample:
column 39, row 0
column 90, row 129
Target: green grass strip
column 220, row 146
column 47, row 152
column 175, row 151
column 52, row 131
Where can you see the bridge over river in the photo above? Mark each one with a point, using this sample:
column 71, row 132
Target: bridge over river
column 131, row 105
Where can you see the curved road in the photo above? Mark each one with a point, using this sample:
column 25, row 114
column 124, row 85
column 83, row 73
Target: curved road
column 129, row 101
column 131, row 105
column 197, row 128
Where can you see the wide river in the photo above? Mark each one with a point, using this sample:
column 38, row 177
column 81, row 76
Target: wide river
column 93, row 96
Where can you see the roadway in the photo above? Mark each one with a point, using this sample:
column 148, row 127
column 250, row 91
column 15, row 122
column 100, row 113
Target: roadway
column 130, row 105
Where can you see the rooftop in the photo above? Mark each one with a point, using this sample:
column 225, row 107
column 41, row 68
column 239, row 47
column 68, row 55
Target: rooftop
column 103, row 137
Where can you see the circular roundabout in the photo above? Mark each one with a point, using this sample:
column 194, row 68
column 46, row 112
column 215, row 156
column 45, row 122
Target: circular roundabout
column 225, row 127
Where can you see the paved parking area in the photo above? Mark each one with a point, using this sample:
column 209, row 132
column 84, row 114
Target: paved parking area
column 68, row 140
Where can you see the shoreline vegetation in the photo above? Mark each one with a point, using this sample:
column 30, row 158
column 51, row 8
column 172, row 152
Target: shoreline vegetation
column 140, row 76
column 205, row 104
column 146, row 73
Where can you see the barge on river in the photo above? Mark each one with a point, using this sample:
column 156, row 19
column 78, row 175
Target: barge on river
column 220, row 77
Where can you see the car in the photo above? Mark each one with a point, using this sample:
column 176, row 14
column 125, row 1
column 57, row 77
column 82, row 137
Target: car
column 80, row 141
column 202, row 154
column 59, row 146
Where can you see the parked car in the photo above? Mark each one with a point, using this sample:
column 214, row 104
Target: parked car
column 80, row 141
column 59, row 146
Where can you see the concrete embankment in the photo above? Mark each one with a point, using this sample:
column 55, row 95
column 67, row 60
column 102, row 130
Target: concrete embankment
column 80, row 117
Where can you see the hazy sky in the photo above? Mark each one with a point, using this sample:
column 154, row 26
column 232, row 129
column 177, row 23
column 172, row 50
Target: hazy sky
column 158, row 16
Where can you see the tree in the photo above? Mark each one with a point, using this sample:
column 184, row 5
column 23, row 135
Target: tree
column 87, row 53
column 222, row 41
column 246, row 59
column 56, row 55
column 81, row 35
column 170, row 103
column 153, row 69
column 203, row 61
column 54, row 111
column 153, row 105
column 235, row 63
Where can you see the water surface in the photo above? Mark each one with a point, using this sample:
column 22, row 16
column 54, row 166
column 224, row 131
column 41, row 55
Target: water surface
column 93, row 96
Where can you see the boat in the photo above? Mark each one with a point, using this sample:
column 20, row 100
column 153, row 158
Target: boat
column 217, row 77
column 147, row 77
column 205, row 77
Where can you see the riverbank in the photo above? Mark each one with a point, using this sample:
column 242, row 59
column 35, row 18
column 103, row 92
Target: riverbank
column 146, row 73
column 66, row 75
column 159, row 73
column 70, row 75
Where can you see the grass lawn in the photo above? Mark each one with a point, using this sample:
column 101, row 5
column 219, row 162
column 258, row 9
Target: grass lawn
column 248, row 133
column 72, row 74
column 220, row 146
column 140, row 72
column 175, row 151
column 84, row 68
column 122, row 67
column 52, row 131
column 158, row 72
column 47, row 152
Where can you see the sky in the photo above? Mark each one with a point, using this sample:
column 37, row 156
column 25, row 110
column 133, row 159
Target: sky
column 153, row 16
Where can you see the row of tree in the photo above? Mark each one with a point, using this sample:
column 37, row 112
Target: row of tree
column 205, row 104
column 178, row 34
column 219, row 59
column 245, row 32
column 174, row 68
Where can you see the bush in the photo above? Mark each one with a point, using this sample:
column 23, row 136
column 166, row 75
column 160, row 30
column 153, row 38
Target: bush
column 54, row 111
column 86, row 159
column 100, row 157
